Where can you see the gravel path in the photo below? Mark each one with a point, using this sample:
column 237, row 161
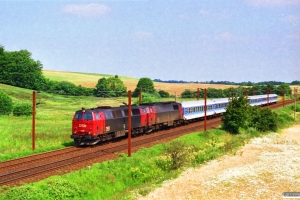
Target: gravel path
column 262, row 169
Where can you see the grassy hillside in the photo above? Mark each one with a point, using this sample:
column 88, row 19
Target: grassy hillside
column 90, row 80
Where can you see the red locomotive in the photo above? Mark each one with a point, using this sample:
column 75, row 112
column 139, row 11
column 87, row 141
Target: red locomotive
column 104, row 123
column 91, row 126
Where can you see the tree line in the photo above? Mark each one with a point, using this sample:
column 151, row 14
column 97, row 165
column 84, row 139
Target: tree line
column 248, row 83
column 17, row 68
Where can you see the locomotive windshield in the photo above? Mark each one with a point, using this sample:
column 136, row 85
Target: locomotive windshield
column 78, row 116
column 86, row 116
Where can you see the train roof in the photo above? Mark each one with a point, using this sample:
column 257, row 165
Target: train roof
column 196, row 103
column 261, row 96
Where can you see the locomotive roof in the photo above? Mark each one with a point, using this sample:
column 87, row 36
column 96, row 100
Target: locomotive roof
column 155, row 103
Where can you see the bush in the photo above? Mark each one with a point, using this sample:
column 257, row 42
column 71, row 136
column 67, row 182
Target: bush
column 263, row 119
column 164, row 94
column 24, row 109
column 297, row 109
column 175, row 155
column 6, row 104
column 148, row 98
column 188, row 94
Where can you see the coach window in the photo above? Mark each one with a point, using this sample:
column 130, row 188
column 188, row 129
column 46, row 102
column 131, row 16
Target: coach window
column 97, row 116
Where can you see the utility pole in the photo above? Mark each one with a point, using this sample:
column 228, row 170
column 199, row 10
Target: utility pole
column 282, row 91
column 294, row 103
column 268, row 92
column 129, row 123
column 140, row 96
column 33, row 118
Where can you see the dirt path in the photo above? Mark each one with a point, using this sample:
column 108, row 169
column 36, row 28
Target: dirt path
column 263, row 169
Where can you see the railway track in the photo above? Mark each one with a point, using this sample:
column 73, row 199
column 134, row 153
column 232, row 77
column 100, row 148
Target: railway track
column 39, row 166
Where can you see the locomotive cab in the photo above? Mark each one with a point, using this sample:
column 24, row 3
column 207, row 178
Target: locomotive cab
column 86, row 125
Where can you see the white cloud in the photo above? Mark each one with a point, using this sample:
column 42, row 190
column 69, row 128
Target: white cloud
column 267, row 3
column 87, row 9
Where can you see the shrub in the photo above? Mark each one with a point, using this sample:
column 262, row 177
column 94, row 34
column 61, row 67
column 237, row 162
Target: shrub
column 163, row 94
column 22, row 109
column 263, row 119
column 176, row 154
column 297, row 109
column 188, row 94
column 6, row 104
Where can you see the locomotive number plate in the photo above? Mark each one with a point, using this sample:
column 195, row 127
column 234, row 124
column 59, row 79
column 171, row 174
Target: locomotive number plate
column 82, row 125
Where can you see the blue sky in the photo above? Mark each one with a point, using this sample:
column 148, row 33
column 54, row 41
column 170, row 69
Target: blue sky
column 191, row 40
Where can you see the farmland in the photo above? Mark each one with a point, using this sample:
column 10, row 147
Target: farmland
column 54, row 116
column 90, row 80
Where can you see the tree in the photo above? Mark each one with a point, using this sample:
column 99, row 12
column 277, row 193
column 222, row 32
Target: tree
column 146, row 84
column 236, row 115
column 19, row 69
column 188, row 94
column 295, row 82
column 6, row 104
column 109, row 87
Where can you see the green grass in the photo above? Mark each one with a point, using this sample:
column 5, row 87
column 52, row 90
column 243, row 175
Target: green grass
column 53, row 121
column 131, row 177
column 124, row 178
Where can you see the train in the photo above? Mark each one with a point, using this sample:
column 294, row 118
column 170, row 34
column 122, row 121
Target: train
column 95, row 125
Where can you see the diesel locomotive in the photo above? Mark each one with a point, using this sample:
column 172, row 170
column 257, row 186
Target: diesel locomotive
column 91, row 126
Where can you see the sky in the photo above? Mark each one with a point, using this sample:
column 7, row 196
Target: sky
column 190, row 40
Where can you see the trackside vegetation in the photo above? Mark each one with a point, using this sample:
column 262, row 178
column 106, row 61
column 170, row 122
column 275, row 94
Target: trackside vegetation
column 240, row 115
column 132, row 177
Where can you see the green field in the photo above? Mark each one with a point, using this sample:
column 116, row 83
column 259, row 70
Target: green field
column 124, row 178
column 130, row 178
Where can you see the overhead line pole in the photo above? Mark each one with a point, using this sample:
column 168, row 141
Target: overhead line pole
column 205, row 106
column 129, row 123
column 33, row 118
